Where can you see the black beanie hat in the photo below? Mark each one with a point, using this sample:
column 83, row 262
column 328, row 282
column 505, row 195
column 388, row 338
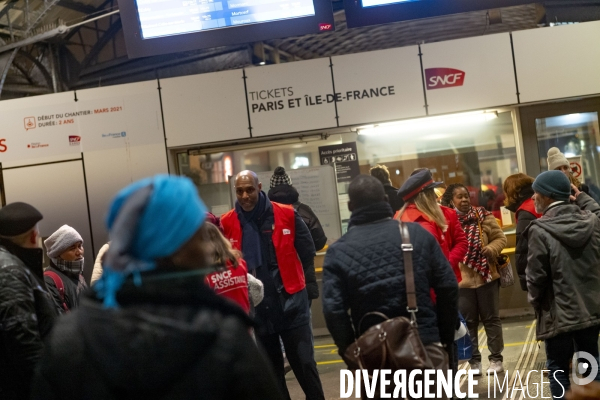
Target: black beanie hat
column 280, row 177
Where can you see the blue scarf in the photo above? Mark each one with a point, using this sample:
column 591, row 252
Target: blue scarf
column 148, row 220
column 251, row 243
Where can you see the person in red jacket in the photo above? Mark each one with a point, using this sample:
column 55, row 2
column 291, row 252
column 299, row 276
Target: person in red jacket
column 230, row 280
column 421, row 207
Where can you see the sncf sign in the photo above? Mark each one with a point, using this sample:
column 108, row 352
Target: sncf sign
column 440, row 78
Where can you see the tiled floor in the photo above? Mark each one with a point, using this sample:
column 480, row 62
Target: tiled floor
column 521, row 352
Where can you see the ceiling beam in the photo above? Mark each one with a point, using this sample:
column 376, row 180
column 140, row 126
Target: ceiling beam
column 108, row 35
column 76, row 6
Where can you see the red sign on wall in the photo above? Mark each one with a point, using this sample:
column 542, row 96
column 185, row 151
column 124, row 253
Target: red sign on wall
column 440, row 78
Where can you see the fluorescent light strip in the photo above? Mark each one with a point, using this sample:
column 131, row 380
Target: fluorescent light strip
column 442, row 121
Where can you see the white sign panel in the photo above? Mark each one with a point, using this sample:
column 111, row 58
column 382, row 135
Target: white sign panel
column 205, row 108
column 577, row 168
column 291, row 97
column 378, row 86
column 558, row 62
column 119, row 116
column 39, row 127
column 469, row 74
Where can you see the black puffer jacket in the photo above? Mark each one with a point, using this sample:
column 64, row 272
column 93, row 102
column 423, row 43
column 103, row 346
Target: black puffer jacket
column 563, row 277
column 286, row 194
column 26, row 316
column 73, row 285
column 171, row 339
column 364, row 272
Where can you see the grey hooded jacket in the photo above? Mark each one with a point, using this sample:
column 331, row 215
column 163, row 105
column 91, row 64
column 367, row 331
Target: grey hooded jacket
column 563, row 275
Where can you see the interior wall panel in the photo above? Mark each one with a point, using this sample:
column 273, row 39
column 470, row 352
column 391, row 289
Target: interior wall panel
column 558, row 62
column 58, row 192
column 108, row 171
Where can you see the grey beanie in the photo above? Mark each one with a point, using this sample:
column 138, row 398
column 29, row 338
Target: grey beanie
column 61, row 240
column 280, row 177
column 553, row 184
column 556, row 159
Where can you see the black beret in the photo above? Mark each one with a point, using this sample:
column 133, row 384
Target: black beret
column 18, row 218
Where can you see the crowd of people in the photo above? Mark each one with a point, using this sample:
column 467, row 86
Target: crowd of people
column 183, row 303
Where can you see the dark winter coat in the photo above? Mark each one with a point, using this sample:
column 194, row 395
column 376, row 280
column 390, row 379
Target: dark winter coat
column 562, row 269
column 286, row 194
column 364, row 272
column 27, row 314
column 393, row 198
column 73, row 287
column 524, row 218
column 279, row 310
column 170, row 339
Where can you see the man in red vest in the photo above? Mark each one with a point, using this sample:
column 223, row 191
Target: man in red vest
column 278, row 248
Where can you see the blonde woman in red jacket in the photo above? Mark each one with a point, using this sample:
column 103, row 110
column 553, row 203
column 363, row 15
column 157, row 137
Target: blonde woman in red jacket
column 421, row 207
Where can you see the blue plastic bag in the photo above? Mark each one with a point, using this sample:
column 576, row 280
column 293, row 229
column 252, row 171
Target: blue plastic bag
column 463, row 341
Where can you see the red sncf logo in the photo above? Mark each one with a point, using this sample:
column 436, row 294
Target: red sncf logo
column 325, row 27
column 440, row 78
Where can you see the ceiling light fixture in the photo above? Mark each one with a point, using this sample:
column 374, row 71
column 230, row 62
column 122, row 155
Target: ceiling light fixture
column 442, row 121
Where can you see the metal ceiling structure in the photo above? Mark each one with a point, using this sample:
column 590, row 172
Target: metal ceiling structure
column 50, row 46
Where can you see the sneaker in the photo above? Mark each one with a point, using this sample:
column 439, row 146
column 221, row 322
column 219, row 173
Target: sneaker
column 495, row 366
column 476, row 366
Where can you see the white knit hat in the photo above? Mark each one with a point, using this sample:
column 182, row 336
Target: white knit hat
column 61, row 240
column 556, row 159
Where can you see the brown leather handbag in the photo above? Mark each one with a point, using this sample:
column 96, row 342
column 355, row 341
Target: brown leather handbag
column 395, row 343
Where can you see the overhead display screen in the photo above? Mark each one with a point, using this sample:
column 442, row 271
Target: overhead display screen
column 174, row 17
column 153, row 27
column 374, row 12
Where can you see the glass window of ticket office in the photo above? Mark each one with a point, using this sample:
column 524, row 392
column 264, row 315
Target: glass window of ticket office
column 573, row 128
column 476, row 149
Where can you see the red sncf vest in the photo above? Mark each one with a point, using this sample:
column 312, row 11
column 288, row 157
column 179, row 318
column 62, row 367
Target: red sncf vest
column 284, row 233
column 231, row 283
column 527, row 205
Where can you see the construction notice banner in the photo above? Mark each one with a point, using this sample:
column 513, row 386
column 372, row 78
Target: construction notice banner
column 345, row 158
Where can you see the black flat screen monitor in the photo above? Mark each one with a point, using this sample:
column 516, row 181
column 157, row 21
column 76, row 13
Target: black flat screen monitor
column 153, row 27
column 374, row 12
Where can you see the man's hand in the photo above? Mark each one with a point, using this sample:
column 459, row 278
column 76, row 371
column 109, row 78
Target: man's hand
column 576, row 191
column 587, row 392
column 487, row 252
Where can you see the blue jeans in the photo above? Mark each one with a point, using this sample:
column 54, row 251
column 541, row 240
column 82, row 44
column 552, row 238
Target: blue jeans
column 559, row 352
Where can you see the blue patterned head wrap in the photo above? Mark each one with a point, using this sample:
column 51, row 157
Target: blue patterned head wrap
column 149, row 219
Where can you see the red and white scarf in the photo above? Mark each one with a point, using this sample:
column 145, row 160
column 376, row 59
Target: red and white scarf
column 471, row 223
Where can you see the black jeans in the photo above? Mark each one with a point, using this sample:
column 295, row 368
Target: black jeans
column 301, row 356
column 559, row 352
column 483, row 304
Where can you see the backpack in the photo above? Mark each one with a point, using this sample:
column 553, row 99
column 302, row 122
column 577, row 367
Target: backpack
column 60, row 286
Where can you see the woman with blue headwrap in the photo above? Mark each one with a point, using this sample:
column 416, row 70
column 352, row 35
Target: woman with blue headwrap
column 150, row 327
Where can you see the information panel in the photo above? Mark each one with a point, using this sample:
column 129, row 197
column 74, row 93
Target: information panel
column 173, row 17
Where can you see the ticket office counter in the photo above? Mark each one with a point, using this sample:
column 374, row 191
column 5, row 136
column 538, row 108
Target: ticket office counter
column 513, row 300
